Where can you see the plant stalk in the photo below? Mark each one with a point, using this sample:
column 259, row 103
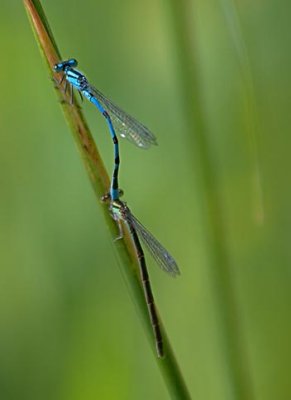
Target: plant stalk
column 100, row 181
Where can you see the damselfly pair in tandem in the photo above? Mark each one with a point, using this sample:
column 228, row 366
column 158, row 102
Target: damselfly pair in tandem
column 128, row 127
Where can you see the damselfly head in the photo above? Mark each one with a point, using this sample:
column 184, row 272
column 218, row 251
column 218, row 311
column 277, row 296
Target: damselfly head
column 105, row 198
column 63, row 65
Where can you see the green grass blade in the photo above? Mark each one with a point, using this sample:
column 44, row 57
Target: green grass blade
column 230, row 328
column 252, row 125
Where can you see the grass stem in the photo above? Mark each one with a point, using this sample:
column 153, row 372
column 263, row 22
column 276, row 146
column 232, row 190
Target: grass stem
column 100, row 181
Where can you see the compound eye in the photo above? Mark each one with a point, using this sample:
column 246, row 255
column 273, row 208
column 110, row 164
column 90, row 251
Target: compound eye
column 72, row 62
column 58, row 67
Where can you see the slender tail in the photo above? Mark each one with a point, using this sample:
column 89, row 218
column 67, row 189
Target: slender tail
column 148, row 293
column 114, row 191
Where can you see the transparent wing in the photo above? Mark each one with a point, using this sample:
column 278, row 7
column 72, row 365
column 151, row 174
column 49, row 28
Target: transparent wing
column 160, row 254
column 126, row 125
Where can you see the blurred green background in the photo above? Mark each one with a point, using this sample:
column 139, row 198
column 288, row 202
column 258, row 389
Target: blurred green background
column 68, row 328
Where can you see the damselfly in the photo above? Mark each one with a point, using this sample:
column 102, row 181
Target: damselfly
column 121, row 212
column 126, row 125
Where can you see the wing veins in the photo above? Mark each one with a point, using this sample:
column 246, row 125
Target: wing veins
column 165, row 261
column 127, row 125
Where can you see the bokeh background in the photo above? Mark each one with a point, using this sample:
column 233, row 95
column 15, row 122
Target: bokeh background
column 212, row 80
